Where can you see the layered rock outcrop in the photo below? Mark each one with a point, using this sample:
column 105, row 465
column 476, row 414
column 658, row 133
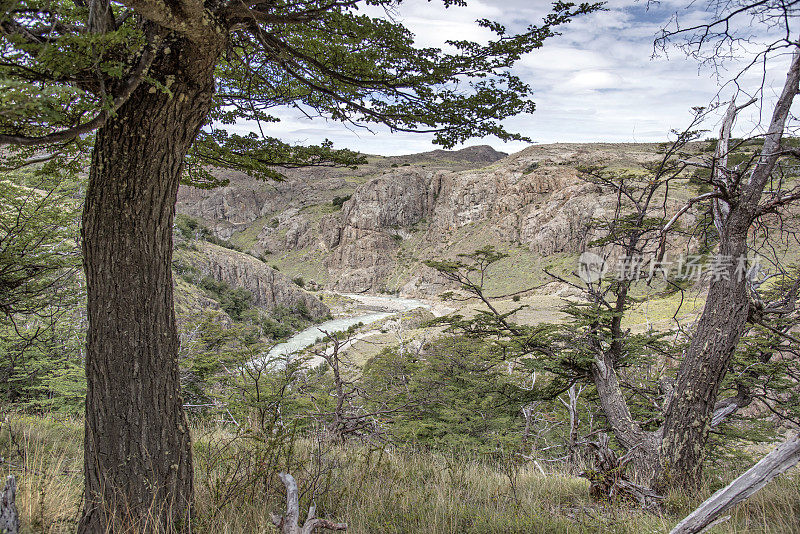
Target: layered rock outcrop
column 541, row 205
column 268, row 287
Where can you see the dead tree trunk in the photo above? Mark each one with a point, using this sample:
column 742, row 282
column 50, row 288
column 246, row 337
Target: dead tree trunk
column 781, row 459
column 642, row 446
column 9, row 517
column 527, row 414
column 289, row 523
column 608, row 480
column 688, row 417
column 574, row 394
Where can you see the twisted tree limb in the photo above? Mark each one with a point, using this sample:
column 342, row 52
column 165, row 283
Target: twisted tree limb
column 9, row 518
column 608, row 480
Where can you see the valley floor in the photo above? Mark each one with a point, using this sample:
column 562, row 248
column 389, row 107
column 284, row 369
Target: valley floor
column 373, row 489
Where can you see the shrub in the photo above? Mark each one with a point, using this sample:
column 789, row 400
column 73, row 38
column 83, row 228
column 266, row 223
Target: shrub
column 530, row 168
column 339, row 201
column 190, row 228
column 186, row 226
column 235, row 301
column 302, row 310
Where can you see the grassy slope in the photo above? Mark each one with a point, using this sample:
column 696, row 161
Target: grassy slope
column 375, row 491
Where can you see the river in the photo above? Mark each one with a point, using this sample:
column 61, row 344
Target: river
column 377, row 306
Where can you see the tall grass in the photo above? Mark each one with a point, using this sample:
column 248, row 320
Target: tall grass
column 46, row 455
column 375, row 490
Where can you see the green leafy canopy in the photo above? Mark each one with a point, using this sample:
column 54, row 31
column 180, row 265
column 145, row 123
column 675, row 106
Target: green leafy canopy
column 68, row 66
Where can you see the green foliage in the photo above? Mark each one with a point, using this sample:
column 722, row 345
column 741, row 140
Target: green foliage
column 702, row 177
column 42, row 363
column 190, row 228
column 302, row 309
column 257, row 156
column 38, row 248
column 275, row 328
column 41, row 317
column 338, row 201
column 765, row 365
column 455, row 395
column 209, row 348
column 339, row 63
column 235, row 301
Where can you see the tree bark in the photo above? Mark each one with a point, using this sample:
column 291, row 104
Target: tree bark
column 688, row 418
column 138, row 463
column 572, row 409
column 642, row 446
column 9, row 516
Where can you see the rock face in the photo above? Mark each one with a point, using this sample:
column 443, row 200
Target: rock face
column 365, row 236
column 235, row 207
column 537, row 203
column 406, row 209
column 269, row 288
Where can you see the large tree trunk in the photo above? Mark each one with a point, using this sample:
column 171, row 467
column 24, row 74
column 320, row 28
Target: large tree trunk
column 688, row 418
column 138, row 464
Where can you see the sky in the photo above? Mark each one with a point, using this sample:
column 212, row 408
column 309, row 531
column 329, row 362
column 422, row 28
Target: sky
column 598, row 81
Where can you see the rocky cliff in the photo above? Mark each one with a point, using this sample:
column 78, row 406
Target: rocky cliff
column 269, row 288
column 247, row 205
column 369, row 230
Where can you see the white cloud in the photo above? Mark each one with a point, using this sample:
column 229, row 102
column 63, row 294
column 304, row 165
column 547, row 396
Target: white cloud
column 594, row 80
column 598, row 81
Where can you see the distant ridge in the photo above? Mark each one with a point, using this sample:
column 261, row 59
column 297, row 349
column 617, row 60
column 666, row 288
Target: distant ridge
column 471, row 154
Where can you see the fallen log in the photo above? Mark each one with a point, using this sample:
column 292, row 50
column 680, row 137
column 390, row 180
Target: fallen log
column 781, row 459
column 289, row 523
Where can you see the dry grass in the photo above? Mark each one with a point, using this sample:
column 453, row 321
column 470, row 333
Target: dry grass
column 46, row 454
column 374, row 490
